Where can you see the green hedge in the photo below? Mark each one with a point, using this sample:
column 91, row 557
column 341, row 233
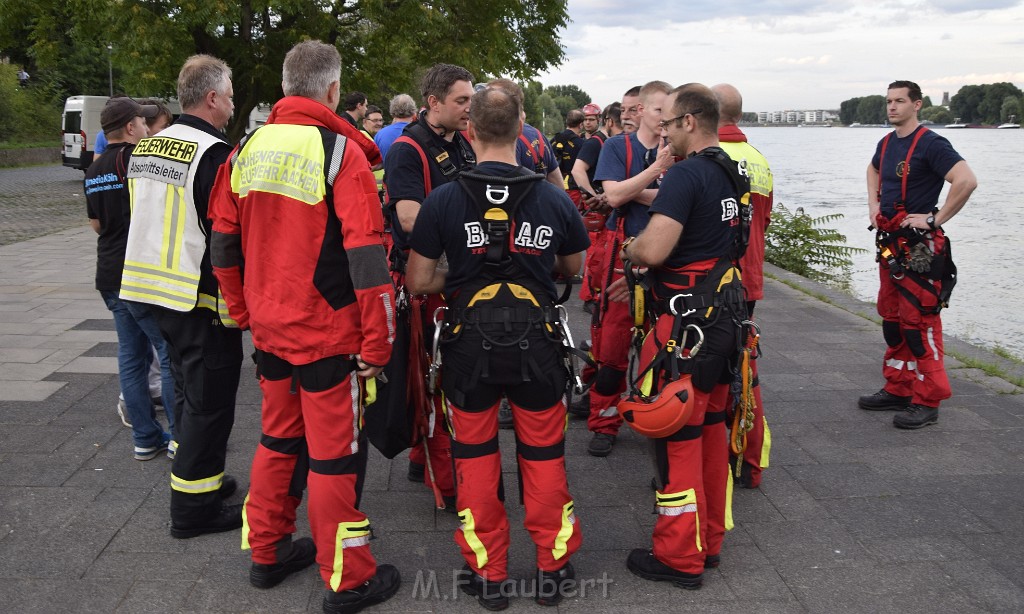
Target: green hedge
column 799, row 243
column 26, row 115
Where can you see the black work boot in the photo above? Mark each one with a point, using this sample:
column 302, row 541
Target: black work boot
column 291, row 557
column 601, row 444
column 491, row 595
column 416, row 471
column 643, row 563
column 381, row 587
column 883, row 401
column 580, row 406
column 228, row 518
column 916, row 416
column 552, row 586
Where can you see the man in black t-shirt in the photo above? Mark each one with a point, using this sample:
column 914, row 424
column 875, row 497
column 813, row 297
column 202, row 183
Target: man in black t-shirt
column 504, row 231
column 567, row 145
column 430, row 152
column 690, row 246
column 109, row 209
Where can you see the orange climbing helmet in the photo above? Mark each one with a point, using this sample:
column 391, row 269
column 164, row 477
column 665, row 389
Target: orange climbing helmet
column 663, row 414
column 591, row 109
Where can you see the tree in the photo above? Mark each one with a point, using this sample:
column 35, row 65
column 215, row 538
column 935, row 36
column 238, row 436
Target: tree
column 871, row 110
column 578, row 96
column 549, row 119
column 964, row 104
column 938, row 115
column 1010, row 109
column 385, row 44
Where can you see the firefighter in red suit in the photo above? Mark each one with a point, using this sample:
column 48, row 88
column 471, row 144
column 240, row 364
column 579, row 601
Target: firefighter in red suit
column 430, row 152
column 690, row 245
column 630, row 167
column 297, row 248
column 734, row 143
column 905, row 176
column 504, row 232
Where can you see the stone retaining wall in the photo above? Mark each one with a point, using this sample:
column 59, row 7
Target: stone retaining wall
column 29, row 156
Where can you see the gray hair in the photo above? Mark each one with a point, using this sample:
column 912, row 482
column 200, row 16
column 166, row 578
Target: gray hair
column 310, row 68
column 402, row 105
column 200, row 75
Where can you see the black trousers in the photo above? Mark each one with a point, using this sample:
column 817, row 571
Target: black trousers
column 206, row 360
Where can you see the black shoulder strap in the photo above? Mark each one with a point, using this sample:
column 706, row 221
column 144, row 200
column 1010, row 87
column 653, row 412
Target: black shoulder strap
column 425, row 139
column 741, row 183
column 497, row 199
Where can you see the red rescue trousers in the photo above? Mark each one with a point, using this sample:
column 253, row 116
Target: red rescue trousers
column 913, row 365
column 693, row 502
column 483, row 535
column 610, row 339
column 303, row 406
column 436, row 442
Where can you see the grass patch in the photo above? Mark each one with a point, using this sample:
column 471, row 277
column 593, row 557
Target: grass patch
column 1005, row 353
column 987, row 368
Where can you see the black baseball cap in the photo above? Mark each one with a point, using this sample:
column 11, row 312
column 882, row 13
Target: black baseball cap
column 121, row 110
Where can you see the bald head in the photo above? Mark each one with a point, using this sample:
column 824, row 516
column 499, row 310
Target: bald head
column 730, row 104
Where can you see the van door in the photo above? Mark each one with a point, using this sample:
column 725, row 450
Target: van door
column 73, row 139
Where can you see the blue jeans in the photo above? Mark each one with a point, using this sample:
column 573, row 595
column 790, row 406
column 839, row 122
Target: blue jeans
column 137, row 330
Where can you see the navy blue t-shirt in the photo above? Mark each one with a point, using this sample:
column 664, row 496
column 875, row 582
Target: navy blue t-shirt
column 542, row 154
column 611, row 166
column 545, row 224
column 403, row 175
column 590, row 152
column 697, row 193
column 933, row 158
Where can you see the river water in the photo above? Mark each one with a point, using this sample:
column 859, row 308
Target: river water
column 823, row 171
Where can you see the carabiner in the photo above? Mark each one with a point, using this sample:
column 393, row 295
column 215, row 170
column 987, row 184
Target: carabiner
column 672, row 305
column 696, row 346
column 438, row 328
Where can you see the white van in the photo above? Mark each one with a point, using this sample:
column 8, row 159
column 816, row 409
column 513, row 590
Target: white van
column 79, row 128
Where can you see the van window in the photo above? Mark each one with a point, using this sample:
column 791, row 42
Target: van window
column 73, row 121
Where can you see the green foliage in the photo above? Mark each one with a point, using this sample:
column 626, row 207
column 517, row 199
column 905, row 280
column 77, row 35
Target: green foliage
column 986, row 104
column 546, row 107
column 573, row 92
column 801, row 244
column 25, row 113
column 385, row 45
column 864, row 110
column 939, row 115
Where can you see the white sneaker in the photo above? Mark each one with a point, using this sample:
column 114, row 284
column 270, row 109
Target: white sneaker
column 121, row 408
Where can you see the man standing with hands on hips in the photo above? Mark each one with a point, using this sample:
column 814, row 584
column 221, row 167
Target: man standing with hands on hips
column 904, row 180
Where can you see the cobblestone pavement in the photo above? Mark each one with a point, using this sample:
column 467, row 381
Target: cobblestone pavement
column 39, row 200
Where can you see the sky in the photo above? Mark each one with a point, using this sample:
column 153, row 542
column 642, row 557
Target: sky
column 791, row 54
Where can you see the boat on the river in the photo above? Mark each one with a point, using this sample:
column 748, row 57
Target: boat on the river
column 956, row 124
column 1010, row 125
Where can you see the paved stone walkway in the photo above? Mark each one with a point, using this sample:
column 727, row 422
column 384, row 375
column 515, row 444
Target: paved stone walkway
column 853, row 515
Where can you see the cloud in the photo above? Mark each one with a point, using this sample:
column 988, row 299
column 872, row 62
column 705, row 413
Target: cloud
column 964, row 6
column 660, row 13
column 803, row 61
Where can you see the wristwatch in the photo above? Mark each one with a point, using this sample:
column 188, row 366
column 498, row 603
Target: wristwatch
column 930, row 220
column 622, row 249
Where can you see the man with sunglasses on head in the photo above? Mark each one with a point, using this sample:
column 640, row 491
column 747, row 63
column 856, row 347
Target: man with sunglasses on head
column 630, row 167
